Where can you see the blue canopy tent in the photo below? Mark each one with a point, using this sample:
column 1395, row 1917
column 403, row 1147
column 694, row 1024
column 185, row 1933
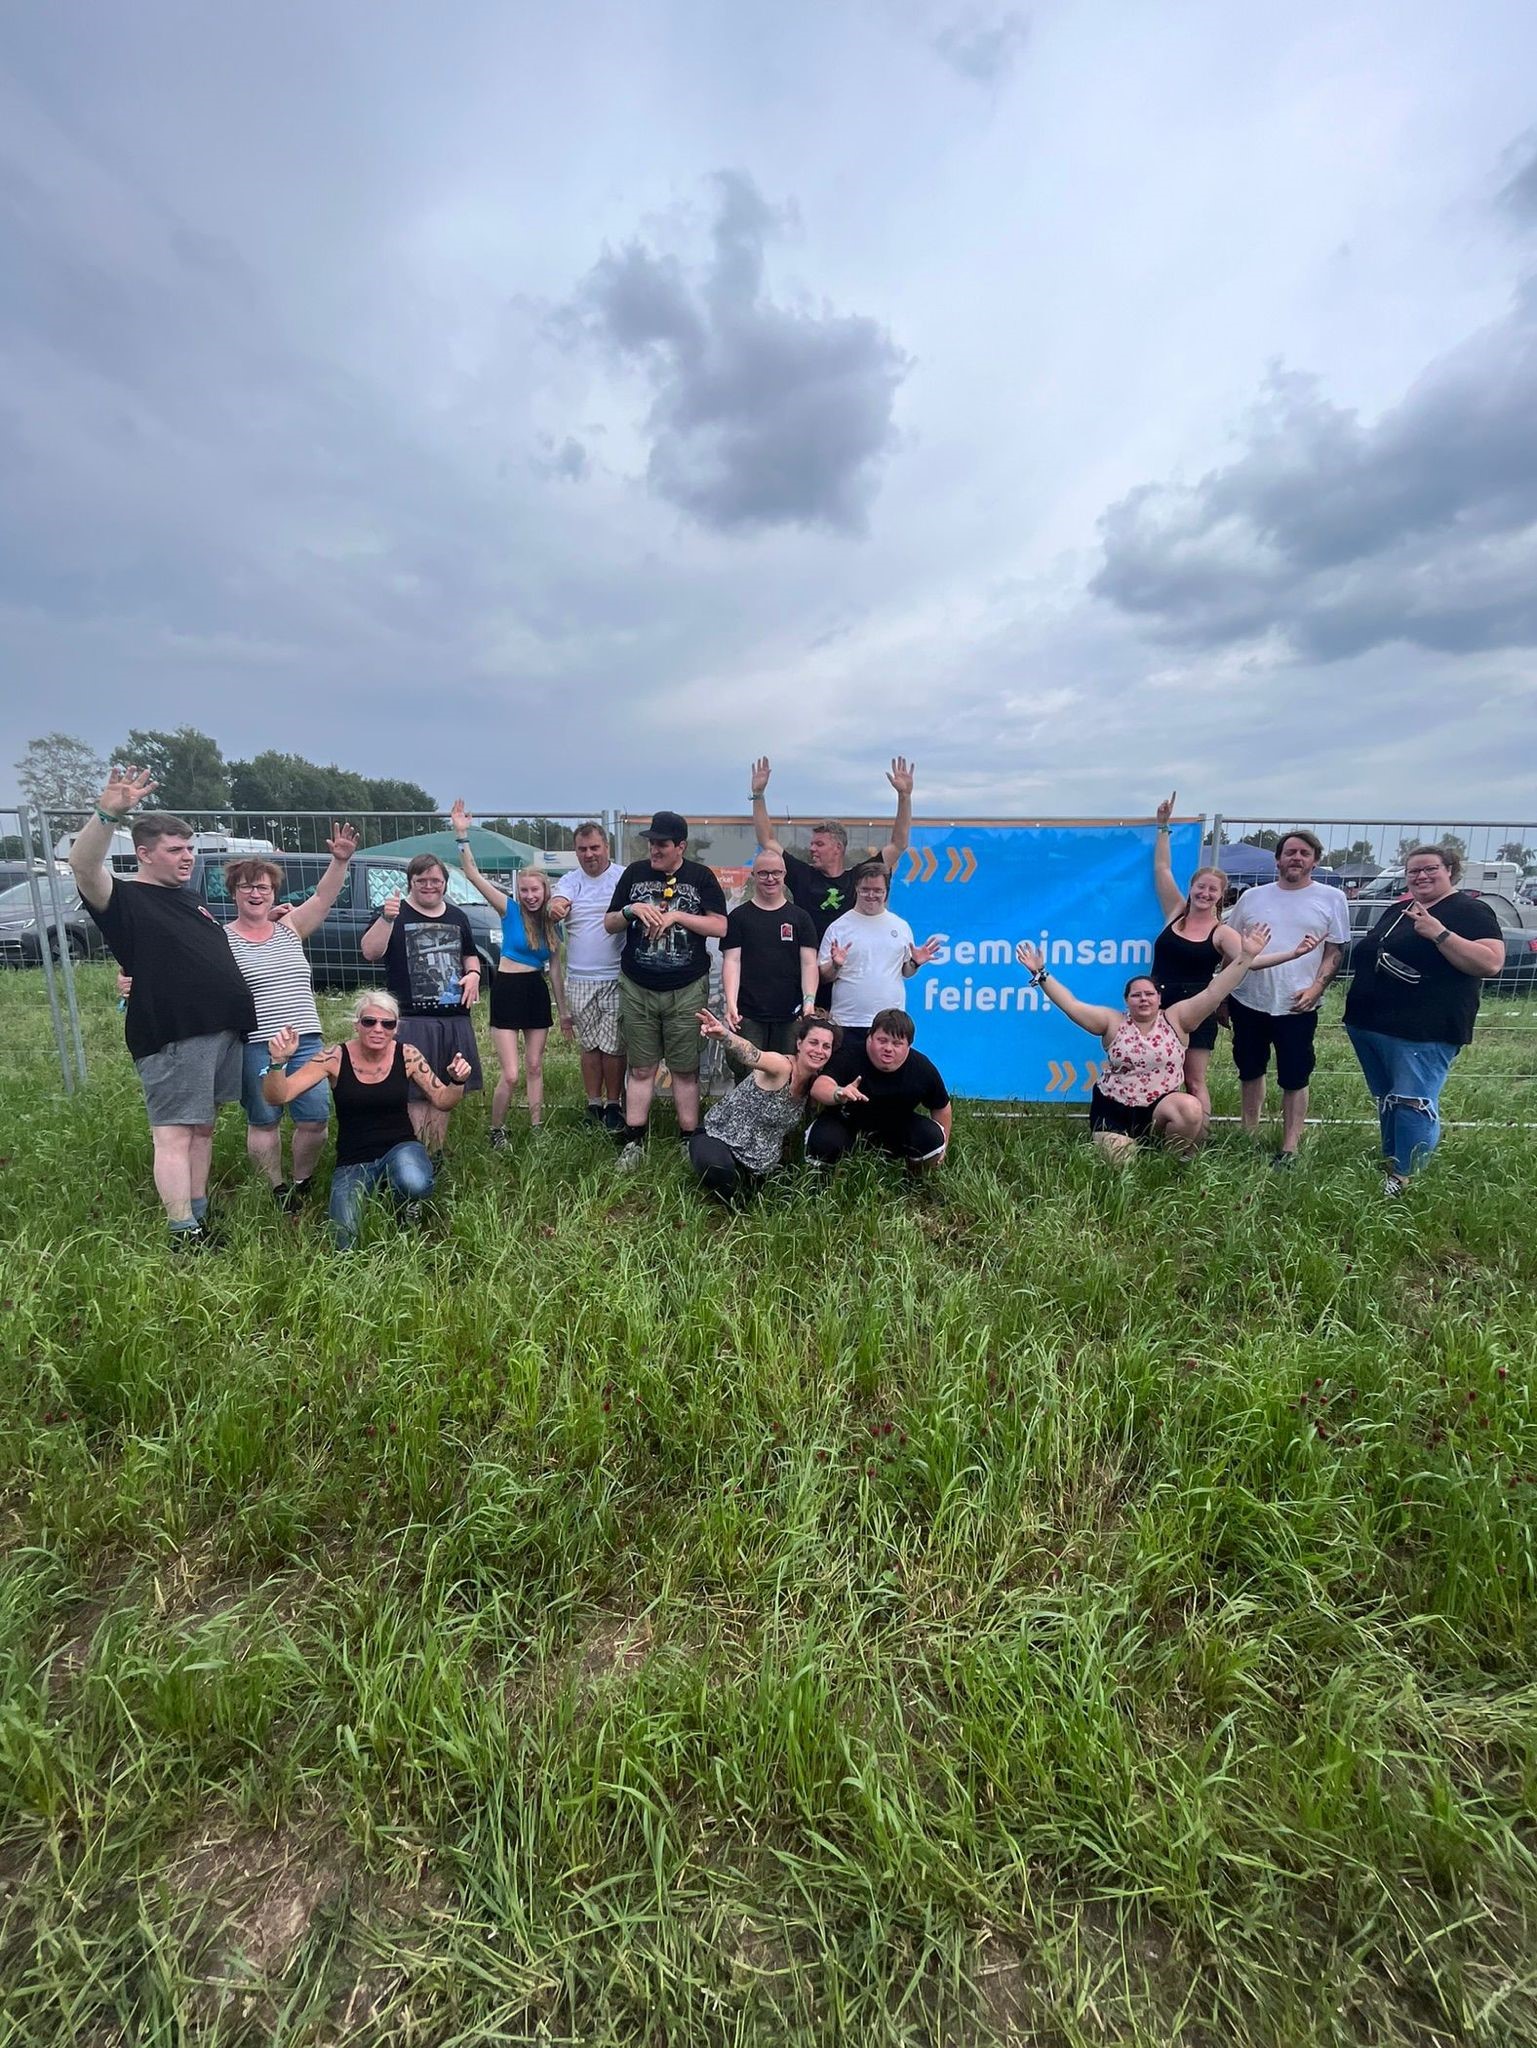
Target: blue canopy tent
column 1246, row 863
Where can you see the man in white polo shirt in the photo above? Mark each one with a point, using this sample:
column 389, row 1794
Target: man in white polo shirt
column 1279, row 1009
column 592, row 971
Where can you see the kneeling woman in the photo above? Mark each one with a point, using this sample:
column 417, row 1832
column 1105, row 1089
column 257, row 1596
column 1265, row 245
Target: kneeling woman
column 371, row 1077
column 1141, row 1087
column 742, row 1137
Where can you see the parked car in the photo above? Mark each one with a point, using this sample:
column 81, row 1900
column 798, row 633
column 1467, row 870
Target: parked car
column 335, row 950
column 21, row 942
column 1518, row 926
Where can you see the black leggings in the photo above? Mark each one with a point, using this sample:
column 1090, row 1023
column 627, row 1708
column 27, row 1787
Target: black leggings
column 723, row 1174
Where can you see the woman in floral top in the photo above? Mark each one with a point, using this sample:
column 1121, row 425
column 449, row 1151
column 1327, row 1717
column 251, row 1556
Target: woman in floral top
column 1141, row 1088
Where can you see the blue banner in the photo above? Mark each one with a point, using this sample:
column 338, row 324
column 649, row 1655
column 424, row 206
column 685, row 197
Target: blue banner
column 1082, row 893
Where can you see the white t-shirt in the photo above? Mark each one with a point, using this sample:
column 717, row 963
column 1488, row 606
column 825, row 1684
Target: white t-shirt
column 871, row 978
column 592, row 954
column 1291, row 914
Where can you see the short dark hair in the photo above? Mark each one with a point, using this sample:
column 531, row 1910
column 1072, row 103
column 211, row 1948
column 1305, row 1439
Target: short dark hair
column 1125, row 992
column 1448, row 856
column 589, row 825
column 152, row 826
column 1308, row 839
column 895, row 1024
column 834, row 831
column 818, row 1020
column 419, row 863
column 866, row 868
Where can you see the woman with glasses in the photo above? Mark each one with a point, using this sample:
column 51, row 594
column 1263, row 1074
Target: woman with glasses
column 1414, row 994
column 371, row 1078
column 433, row 970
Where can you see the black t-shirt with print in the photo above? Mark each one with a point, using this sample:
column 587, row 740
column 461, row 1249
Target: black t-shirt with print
column 915, row 1089
column 823, row 896
column 185, row 981
column 678, row 956
column 1405, row 987
column 425, row 960
column 770, row 943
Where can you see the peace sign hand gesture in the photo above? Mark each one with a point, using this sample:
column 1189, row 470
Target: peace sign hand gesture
column 838, row 955
column 710, row 1025
column 125, row 787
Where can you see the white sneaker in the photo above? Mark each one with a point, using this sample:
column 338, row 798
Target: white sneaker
column 629, row 1158
column 1394, row 1185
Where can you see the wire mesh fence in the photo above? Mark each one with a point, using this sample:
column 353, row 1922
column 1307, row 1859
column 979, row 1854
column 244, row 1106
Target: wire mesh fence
column 1365, row 859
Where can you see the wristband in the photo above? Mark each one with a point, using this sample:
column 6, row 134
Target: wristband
column 1441, row 936
column 1163, row 828
column 462, row 841
column 110, row 817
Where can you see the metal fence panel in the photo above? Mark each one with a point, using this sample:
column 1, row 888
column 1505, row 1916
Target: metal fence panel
column 39, row 909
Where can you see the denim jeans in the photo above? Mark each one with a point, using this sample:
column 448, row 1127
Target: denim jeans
column 1406, row 1075
column 405, row 1169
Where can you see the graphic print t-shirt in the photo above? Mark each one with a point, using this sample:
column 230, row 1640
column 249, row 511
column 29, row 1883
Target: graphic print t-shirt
column 424, row 961
column 678, row 956
column 770, row 943
column 823, row 897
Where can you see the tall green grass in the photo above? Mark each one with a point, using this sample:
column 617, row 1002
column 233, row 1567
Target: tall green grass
column 1044, row 1605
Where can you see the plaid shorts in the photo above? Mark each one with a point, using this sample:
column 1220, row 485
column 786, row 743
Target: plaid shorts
column 595, row 1012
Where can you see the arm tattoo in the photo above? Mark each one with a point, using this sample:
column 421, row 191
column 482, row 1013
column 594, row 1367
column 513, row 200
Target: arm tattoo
column 745, row 1051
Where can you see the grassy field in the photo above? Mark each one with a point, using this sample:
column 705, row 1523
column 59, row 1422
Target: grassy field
column 1047, row 1606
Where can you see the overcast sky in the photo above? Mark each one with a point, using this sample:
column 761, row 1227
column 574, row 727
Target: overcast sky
column 559, row 405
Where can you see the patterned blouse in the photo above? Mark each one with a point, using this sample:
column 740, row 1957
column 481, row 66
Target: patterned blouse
column 755, row 1121
column 1143, row 1066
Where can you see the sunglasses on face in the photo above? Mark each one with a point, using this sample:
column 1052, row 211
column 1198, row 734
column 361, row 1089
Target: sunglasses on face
column 380, row 1023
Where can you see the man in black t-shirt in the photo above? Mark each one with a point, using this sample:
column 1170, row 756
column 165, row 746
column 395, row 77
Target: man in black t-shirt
column 883, row 1094
column 768, row 963
column 190, row 1010
column 666, row 907
column 824, row 885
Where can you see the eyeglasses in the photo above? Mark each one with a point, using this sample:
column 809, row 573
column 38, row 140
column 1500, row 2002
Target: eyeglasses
column 379, row 1023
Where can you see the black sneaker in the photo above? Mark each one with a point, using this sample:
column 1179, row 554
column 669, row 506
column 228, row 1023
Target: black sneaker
column 289, row 1195
column 187, row 1243
column 498, row 1140
column 613, row 1118
column 411, row 1214
column 597, row 1112
column 1283, row 1162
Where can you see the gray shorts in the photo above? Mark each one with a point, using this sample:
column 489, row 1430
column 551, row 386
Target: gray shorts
column 185, row 1082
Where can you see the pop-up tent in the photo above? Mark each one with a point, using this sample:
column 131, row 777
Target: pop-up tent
column 1246, row 863
column 495, row 853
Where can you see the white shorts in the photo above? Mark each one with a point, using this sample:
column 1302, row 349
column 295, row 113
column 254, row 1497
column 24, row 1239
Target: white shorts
column 595, row 1013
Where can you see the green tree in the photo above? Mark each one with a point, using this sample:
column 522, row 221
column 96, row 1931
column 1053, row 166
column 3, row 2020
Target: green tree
column 1267, row 840
column 59, row 772
column 387, row 793
column 188, row 766
column 271, row 783
column 13, row 847
column 1514, row 850
column 1359, row 850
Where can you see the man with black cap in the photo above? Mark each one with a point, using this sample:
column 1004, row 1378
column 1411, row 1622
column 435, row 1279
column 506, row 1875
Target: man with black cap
column 666, row 907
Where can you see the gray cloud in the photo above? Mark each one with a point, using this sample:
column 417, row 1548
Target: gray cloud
column 982, row 48
column 762, row 415
column 1331, row 536
column 1519, row 195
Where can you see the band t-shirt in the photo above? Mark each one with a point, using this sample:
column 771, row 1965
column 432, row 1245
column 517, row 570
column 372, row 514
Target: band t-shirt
column 871, row 979
column 185, row 981
column 1405, row 987
column 895, row 1099
column 770, row 943
column 824, row 897
column 425, row 959
column 1292, row 914
column 592, row 954
column 678, row 956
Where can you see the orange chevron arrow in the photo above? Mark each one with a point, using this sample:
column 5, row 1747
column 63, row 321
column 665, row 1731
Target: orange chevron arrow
column 1091, row 1077
column 930, row 863
column 971, row 864
column 953, row 854
column 1062, row 1076
column 914, row 862
column 1056, row 1078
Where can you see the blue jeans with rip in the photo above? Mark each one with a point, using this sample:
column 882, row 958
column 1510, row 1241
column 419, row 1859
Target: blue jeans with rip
column 1406, row 1076
column 405, row 1169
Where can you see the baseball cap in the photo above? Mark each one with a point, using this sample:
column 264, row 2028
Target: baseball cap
column 667, row 825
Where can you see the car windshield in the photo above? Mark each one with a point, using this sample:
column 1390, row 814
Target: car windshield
column 20, row 898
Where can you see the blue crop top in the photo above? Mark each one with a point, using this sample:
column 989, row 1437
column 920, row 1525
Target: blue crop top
column 515, row 946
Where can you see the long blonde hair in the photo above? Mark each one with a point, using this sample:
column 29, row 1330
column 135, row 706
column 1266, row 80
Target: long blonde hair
column 538, row 925
column 1221, row 875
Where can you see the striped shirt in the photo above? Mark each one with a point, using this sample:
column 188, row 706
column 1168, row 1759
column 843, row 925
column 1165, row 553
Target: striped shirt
column 277, row 973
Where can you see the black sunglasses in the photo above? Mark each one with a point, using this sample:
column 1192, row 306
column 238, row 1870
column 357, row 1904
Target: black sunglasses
column 379, row 1023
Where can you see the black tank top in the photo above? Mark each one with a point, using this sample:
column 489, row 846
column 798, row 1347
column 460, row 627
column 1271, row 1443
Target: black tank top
column 1181, row 966
column 371, row 1116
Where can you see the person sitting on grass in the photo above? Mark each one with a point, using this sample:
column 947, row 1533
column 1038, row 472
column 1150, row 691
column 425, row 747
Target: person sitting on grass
column 882, row 1093
column 1141, row 1089
column 371, row 1078
column 520, row 995
column 742, row 1137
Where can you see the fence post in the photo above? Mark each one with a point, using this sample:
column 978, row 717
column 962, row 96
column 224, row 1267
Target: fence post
column 1216, row 839
column 66, row 957
column 44, row 949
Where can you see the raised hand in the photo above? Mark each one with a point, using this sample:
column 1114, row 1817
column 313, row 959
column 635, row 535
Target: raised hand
column 125, row 787
column 343, row 842
column 1424, row 920
column 1029, row 956
column 900, row 776
column 838, row 955
column 760, row 775
column 458, row 1069
column 390, row 909
column 1307, row 944
column 282, row 1045
column 923, row 954
column 1254, row 941
column 710, row 1026
column 1165, row 810
column 459, row 817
